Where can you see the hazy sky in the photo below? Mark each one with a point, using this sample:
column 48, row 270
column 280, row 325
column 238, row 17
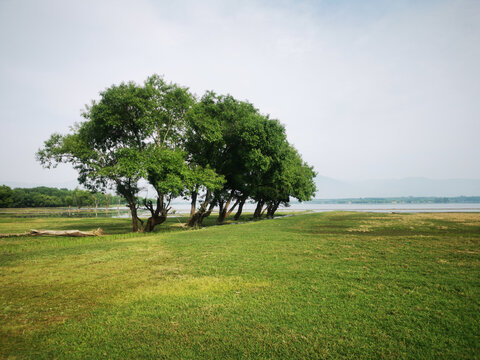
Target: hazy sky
column 366, row 89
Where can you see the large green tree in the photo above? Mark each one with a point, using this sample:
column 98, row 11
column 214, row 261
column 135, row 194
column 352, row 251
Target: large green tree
column 288, row 176
column 106, row 149
column 166, row 167
column 204, row 145
column 225, row 135
column 132, row 132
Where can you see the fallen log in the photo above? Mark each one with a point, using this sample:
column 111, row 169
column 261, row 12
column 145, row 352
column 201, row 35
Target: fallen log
column 74, row 233
column 14, row 235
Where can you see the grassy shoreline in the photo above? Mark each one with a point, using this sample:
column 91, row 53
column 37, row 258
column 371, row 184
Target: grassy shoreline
column 324, row 285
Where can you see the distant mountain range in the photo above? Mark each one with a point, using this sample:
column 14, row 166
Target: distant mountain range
column 329, row 188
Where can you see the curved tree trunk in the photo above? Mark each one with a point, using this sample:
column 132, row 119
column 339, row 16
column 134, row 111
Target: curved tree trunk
column 209, row 211
column 258, row 210
column 272, row 208
column 225, row 211
column 133, row 210
column 197, row 218
column 229, row 212
column 153, row 221
column 158, row 213
column 193, row 203
column 128, row 192
column 263, row 211
column 240, row 209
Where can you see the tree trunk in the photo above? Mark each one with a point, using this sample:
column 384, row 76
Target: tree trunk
column 132, row 204
column 272, row 207
column 263, row 211
column 197, row 218
column 258, row 210
column 158, row 214
column 269, row 209
column 153, row 221
column 221, row 216
column 240, row 209
column 208, row 212
column 275, row 208
column 233, row 207
column 224, row 211
column 133, row 210
column 193, row 204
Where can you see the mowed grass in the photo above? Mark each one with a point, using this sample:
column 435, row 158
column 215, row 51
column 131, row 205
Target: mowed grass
column 327, row 285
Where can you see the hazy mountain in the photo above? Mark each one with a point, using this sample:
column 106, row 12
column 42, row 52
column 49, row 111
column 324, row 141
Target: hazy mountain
column 329, row 188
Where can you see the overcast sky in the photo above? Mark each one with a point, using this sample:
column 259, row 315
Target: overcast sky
column 366, row 89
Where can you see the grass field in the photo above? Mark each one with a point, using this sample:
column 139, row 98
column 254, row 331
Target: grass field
column 327, row 285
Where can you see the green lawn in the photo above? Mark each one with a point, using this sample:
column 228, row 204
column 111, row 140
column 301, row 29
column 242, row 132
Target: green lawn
column 328, row 285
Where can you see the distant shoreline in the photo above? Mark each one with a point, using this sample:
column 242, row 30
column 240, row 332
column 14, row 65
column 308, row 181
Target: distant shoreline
column 398, row 200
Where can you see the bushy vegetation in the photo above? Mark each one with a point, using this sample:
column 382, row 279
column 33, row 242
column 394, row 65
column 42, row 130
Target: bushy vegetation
column 318, row 286
column 52, row 197
column 215, row 151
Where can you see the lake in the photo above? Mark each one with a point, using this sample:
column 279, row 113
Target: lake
column 183, row 207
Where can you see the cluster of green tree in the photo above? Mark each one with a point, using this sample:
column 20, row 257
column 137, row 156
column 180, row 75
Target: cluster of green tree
column 216, row 151
column 403, row 200
column 50, row 197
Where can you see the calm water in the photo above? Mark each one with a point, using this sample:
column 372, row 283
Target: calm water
column 413, row 208
column 183, row 208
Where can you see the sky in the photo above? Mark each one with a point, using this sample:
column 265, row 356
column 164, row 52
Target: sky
column 365, row 89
